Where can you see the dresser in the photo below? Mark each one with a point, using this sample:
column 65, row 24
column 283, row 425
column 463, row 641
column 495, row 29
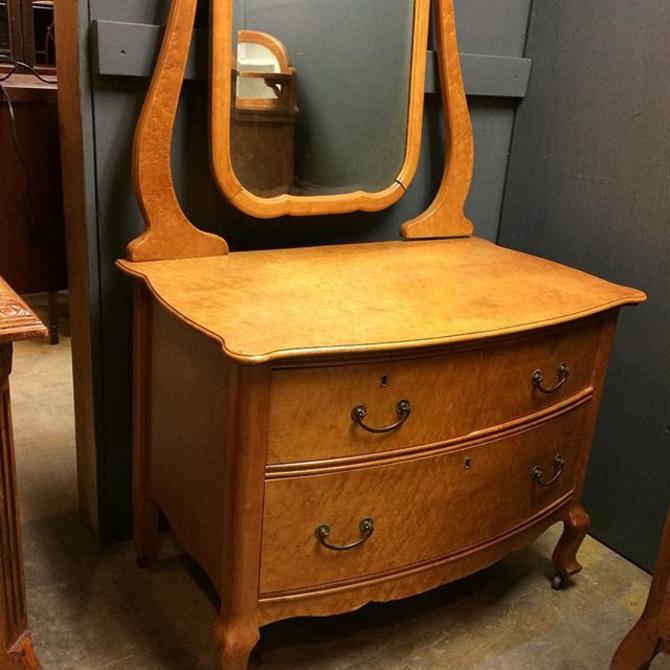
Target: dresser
column 412, row 424
column 17, row 322
column 330, row 426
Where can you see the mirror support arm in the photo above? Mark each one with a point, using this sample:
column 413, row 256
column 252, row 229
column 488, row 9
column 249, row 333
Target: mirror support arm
column 445, row 216
column 168, row 233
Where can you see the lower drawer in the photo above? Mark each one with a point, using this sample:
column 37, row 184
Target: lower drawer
column 422, row 508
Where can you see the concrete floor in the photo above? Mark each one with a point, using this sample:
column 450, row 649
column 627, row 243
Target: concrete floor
column 91, row 608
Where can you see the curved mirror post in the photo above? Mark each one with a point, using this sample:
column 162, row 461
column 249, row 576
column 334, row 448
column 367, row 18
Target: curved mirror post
column 322, row 110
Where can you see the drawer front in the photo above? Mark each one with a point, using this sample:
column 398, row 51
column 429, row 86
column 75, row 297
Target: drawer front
column 450, row 396
column 422, row 508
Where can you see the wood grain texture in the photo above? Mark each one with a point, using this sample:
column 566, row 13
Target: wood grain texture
column 345, row 598
column 651, row 633
column 200, row 453
column 400, row 454
column 295, row 205
column 576, row 524
column 410, row 503
column 189, row 419
column 270, row 42
column 267, row 305
column 26, row 88
column 210, row 427
column 17, row 320
column 452, row 395
column 236, row 628
column 445, row 216
column 21, row 656
column 32, row 252
column 12, row 583
column 75, row 203
column 145, row 511
column 169, row 234
column 576, row 521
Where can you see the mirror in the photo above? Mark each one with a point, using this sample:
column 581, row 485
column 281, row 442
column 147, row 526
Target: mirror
column 317, row 105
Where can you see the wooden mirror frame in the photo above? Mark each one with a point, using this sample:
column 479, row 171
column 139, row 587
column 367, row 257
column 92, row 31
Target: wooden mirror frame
column 169, row 234
column 221, row 54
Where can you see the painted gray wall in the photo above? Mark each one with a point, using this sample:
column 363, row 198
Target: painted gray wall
column 589, row 186
column 112, row 104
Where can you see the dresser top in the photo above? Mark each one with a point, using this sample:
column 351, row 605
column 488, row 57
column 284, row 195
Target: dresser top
column 17, row 320
column 265, row 305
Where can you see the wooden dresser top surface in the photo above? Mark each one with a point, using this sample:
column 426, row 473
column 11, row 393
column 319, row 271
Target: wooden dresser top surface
column 17, row 320
column 266, row 305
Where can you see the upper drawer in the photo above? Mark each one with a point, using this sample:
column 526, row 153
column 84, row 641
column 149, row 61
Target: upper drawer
column 451, row 395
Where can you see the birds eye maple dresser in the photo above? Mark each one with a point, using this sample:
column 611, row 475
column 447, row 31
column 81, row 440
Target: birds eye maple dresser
column 324, row 427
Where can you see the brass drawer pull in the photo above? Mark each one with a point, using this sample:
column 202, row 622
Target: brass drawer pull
column 366, row 526
column 402, row 409
column 563, row 373
column 559, row 466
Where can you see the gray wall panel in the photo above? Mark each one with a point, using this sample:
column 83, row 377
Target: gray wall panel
column 494, row 27
column 120, row 48
column 589, row 185
column 492, row 123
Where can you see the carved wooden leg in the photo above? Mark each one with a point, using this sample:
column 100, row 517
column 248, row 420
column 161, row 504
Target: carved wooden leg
column 638, row 648
column 651, row 633
column 236, row 629
column 21, row 656
column 575, row 526
column 234, row 642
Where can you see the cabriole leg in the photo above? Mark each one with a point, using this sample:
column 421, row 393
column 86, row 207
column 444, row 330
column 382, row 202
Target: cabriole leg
column 638, row 648
column 234, row 642
column 575, row 526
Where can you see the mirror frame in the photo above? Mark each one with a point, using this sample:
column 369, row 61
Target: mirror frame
column 221, row 54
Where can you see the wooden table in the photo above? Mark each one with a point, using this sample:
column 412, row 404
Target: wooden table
column 17, row 322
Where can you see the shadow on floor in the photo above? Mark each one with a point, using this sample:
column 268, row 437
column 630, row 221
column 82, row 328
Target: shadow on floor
column 92, row 607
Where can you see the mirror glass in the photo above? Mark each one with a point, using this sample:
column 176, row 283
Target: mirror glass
column 321, row 98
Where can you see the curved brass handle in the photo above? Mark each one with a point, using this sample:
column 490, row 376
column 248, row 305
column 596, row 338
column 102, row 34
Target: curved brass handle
column 559, row 466
column 366, row 526
column 402, row 409
column 563, row 373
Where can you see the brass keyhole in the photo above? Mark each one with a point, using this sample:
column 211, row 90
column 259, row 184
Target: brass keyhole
column 385, row 381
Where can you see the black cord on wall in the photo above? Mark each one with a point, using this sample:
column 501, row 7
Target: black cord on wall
column 35, row 232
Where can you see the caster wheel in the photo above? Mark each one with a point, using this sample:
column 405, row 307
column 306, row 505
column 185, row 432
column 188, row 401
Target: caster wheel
column 557, row 582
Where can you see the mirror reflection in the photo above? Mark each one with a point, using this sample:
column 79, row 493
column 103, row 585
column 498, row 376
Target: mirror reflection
column 321, row 92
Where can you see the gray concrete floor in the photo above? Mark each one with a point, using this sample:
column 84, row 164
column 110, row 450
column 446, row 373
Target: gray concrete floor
column 91, row 608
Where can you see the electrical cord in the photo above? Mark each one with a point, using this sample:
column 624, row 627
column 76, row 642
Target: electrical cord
column 35, row 230
column 20, row 65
